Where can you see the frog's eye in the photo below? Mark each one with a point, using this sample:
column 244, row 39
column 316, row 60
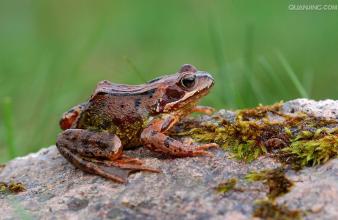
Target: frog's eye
column 188, row 81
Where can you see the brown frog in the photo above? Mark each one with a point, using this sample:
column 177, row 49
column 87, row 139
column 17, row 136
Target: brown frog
column 119, row 116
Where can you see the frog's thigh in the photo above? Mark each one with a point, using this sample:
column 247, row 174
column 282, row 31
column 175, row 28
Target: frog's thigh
column 154, row 139
column 99, row 153
column 91, row 144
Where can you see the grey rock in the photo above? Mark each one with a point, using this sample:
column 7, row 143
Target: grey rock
column 183, row 190
column 315, row 191
column 325, row 108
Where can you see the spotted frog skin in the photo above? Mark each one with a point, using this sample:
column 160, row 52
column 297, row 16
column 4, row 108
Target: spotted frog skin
column 118, row 116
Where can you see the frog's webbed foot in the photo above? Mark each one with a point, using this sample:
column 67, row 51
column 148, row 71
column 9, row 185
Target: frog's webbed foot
column 87, row 164
column 98, row 153
column 133, row 164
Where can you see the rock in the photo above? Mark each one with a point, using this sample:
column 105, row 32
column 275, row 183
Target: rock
column 315, row 191
column 326, row 108
column 184, row 190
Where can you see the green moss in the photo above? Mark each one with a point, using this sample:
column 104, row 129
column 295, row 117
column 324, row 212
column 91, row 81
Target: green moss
column 12, row 187
column 278, row 185
column 274, row 179
column 16, row 187
column 3, row 187
column 267, row 209
column 296, row 139
column 226, row 185
column 246, row 151
column 311, row 150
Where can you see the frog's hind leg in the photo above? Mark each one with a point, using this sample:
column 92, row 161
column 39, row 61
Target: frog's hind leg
column 98, row 153
column 85, row 164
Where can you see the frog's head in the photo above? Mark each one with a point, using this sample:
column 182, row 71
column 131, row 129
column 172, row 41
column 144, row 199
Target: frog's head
column 183, row 89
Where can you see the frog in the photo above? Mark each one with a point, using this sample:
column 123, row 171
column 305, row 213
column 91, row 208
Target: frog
column 96, row 133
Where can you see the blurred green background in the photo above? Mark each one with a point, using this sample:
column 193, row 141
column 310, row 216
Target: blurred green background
column 52, row 54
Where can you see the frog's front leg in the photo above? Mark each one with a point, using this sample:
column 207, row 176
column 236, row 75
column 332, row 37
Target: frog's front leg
column 99, row 153
column 154, row 138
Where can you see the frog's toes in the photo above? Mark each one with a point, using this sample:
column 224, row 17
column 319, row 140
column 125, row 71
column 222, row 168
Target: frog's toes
column 207, row 146
column 133, row 164
column 202, row 153
column 202, row 150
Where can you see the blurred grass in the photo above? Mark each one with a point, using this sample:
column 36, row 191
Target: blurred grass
column 7, row 115
column 292, row 75
column 54, row 52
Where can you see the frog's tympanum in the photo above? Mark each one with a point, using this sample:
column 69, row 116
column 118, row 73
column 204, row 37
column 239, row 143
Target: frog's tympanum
column 119, row 116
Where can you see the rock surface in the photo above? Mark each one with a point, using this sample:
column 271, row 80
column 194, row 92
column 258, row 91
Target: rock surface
column 184, row 189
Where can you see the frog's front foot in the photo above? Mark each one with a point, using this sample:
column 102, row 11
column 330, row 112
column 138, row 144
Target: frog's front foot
column 153, row 137
column 98, row 153
column 206, row 147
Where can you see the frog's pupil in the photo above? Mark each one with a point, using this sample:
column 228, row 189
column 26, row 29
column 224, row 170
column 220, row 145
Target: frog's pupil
column 188, row 81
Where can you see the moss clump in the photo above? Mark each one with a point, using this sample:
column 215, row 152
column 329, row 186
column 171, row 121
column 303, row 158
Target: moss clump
column 275, row 179
column 15, row 187
column 246, row 151
column 313, row 148
column 278, row 185
column 226, row 185
column 296, row 139
column 3, row 187
column 267, row 209
column 12, row 187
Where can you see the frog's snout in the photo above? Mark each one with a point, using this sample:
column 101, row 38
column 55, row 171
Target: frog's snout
column 206, row 79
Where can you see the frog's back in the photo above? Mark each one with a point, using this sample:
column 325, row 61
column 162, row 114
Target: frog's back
column 117, row 110
column 116, row 89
